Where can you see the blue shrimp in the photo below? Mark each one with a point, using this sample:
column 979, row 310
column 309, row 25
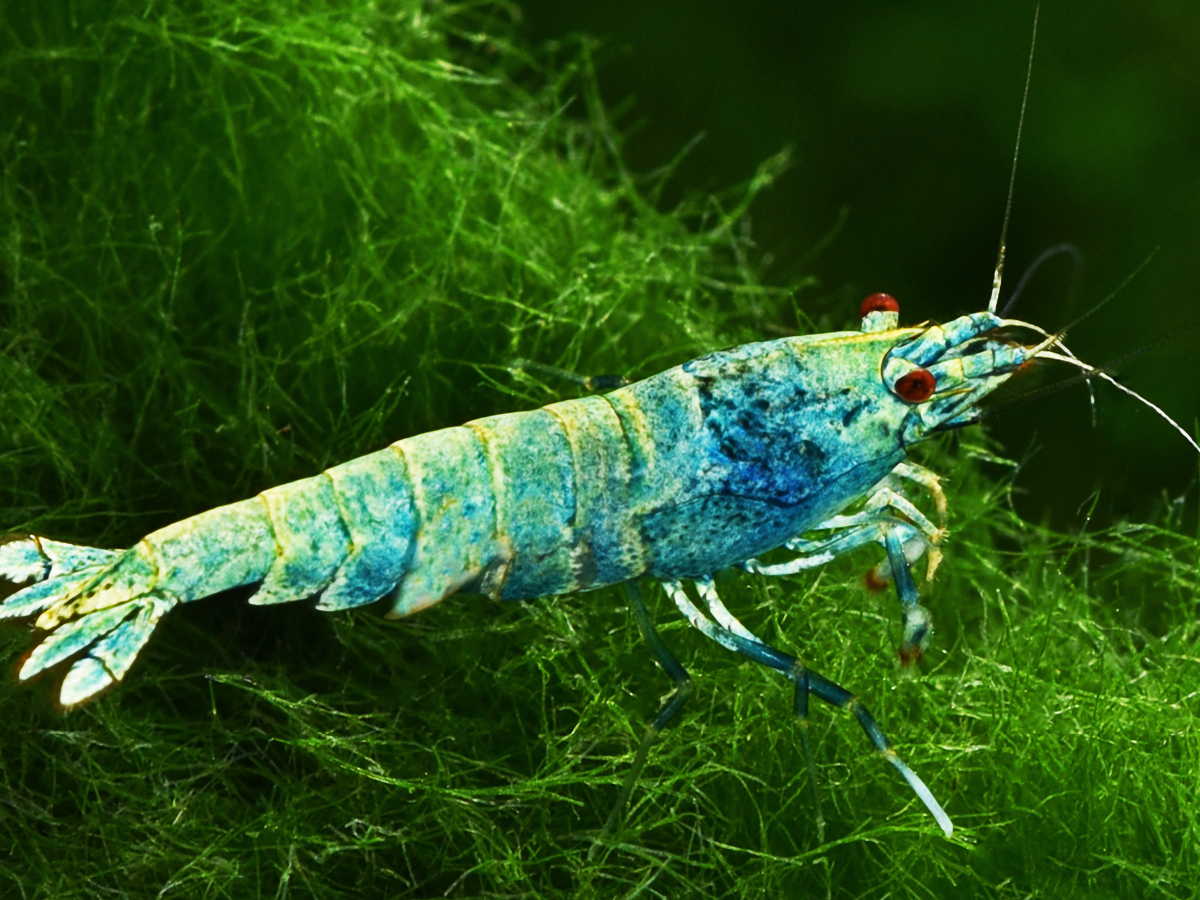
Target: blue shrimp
column 704, row 466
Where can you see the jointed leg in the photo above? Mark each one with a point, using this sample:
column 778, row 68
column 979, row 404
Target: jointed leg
column 741, row 640
column 818, row 552
column 904, row 532
column 886, row 505
column 670, row 709
column 927, row 479
column 885, row 509
column 729, row 622
column 916, row 619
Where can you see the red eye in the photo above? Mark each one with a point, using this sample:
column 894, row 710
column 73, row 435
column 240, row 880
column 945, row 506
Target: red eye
column 916, row 386
column 878, row 303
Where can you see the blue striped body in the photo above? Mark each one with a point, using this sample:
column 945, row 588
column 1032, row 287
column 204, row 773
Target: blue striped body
column 692, row 470
column 706, row 465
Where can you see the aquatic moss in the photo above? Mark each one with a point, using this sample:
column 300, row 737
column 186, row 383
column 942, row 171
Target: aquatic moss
column 244, row 241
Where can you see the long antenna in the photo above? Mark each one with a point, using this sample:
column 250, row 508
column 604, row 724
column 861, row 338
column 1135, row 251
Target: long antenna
column 1012, row 177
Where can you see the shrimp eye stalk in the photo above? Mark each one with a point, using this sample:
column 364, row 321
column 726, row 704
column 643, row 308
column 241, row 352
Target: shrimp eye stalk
column 878, row 303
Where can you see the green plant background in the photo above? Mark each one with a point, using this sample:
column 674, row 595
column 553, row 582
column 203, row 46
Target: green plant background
column 244, row 242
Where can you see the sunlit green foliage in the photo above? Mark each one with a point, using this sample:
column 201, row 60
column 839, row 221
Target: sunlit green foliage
column 239, row 242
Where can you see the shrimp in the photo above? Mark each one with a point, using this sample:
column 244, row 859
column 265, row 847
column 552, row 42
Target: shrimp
column 704, row 466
